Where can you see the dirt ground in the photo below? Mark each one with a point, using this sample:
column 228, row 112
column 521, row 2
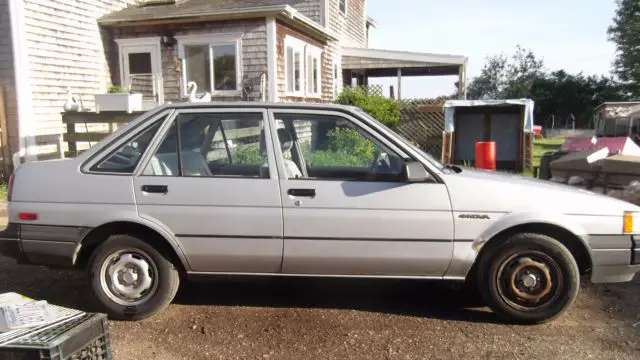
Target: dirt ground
column 347, row 319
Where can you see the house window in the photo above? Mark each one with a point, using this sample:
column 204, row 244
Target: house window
column 343, row 6
column 212, row 62
column 293, row 65
column 313, row 71
column 302, row 68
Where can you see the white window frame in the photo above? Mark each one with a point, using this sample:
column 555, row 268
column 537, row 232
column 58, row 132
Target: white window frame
column 346, row 6
column 211, row 40
column 335, row 76
column 305, row 50
column 298, row 46
column 313, row 53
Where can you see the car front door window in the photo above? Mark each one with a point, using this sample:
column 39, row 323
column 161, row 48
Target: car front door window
column 325, row 147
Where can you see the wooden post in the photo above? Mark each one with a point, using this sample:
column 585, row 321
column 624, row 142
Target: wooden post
column 6, row 151
column 399, row 84
column 71, row 131
column 392, row 95
column 462, row 86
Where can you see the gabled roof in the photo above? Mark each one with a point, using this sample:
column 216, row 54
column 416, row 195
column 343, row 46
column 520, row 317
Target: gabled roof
column 211, row 10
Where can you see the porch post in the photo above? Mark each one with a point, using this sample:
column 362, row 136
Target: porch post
column 462, row 86
column 346, row 78
column 399, row 83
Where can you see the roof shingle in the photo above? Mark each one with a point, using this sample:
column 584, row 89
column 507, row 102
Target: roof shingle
column 184, row 8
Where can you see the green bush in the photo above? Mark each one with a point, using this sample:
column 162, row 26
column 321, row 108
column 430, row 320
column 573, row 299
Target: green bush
column 384, row 109
column 247, row 154
column 116, row 89
column 345, row 147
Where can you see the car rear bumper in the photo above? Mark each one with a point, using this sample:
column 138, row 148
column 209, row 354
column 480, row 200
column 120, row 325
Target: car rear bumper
column 615, row 258
column 41, row 245
column 10, row 242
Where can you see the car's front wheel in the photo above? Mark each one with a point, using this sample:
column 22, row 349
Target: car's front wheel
column 130, row 279
column 529, row 278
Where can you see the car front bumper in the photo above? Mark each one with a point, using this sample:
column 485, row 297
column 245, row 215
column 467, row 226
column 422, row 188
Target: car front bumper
column 614, row 258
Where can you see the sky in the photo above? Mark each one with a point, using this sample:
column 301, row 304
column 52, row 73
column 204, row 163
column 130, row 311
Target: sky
column 566, row 34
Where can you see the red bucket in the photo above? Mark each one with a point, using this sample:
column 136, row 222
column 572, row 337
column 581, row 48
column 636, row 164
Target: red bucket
column 486, row 155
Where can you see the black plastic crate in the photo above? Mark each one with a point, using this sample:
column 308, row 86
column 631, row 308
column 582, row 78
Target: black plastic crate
column 82, row 338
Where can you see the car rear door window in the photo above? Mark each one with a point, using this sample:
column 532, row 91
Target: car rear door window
column 125, row 159
column 212, row 144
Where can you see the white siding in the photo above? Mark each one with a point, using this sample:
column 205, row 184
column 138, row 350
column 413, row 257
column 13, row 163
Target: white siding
column 351, row 28
column 65, row 48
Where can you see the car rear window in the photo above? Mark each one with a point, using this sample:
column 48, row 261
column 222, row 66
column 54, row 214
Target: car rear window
column 125, row 159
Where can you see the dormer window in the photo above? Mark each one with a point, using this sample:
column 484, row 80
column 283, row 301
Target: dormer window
column 343, row 6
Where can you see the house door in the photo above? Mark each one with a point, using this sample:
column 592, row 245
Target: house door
column 142, row 73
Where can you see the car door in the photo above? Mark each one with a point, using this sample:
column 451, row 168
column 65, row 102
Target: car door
column 210, row 179
column 348, row 209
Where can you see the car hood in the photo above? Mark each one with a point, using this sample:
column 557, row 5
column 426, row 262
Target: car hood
column 483, row 190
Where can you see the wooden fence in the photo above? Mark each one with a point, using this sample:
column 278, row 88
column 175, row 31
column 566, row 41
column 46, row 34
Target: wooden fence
column 424, row 126
column 86, row 128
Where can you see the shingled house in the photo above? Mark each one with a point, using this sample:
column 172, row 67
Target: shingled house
column 277, row 50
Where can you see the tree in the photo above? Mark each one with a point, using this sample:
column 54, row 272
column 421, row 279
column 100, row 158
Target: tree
column 507, row 77
column 558, row 94
column 625, row 32
column 564, row 95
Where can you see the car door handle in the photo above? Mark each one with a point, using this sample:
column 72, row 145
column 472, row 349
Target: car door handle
column 158, row 189
column 302, row 192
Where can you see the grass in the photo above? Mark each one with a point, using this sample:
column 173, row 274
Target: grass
column 3, row 190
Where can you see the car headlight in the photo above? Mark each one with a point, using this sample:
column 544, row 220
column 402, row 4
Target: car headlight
column 631, row 222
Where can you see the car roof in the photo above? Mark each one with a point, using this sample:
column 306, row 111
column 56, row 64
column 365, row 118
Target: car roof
column 255, row 104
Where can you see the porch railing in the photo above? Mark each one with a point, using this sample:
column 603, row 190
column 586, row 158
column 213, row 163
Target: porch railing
column 149, row 85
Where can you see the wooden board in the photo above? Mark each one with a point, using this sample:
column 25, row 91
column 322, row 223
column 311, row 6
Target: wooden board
column 6, row 151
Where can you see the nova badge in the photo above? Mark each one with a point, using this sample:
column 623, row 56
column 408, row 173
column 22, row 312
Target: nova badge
column 474, row 216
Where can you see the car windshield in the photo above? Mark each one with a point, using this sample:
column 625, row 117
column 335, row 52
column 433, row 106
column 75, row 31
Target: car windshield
column 432, row 160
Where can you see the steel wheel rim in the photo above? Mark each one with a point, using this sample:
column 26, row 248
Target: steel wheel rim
column 129, row 277
column 529, row 280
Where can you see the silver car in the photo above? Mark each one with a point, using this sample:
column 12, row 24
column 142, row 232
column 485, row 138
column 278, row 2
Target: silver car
column 306, row 190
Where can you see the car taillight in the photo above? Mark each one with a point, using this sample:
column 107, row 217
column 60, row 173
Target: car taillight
column 28, row 216
column 10, row 187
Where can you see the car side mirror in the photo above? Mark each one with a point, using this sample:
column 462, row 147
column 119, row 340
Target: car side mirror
column 416, row 172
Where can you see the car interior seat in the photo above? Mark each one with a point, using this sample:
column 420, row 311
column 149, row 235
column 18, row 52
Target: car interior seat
column 286, row 143
column 193, row 164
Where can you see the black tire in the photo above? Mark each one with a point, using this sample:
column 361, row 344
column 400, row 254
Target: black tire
column 540, row 261
column 164, row 284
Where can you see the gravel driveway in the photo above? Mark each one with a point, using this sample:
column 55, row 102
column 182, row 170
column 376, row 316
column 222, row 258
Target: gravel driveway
column 348, row 319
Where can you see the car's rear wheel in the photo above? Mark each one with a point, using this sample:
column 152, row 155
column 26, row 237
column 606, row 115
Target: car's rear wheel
column 529, row 278
column 130, row 279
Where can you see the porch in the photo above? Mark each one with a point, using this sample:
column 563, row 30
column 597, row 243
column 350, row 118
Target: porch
column 362, row 64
